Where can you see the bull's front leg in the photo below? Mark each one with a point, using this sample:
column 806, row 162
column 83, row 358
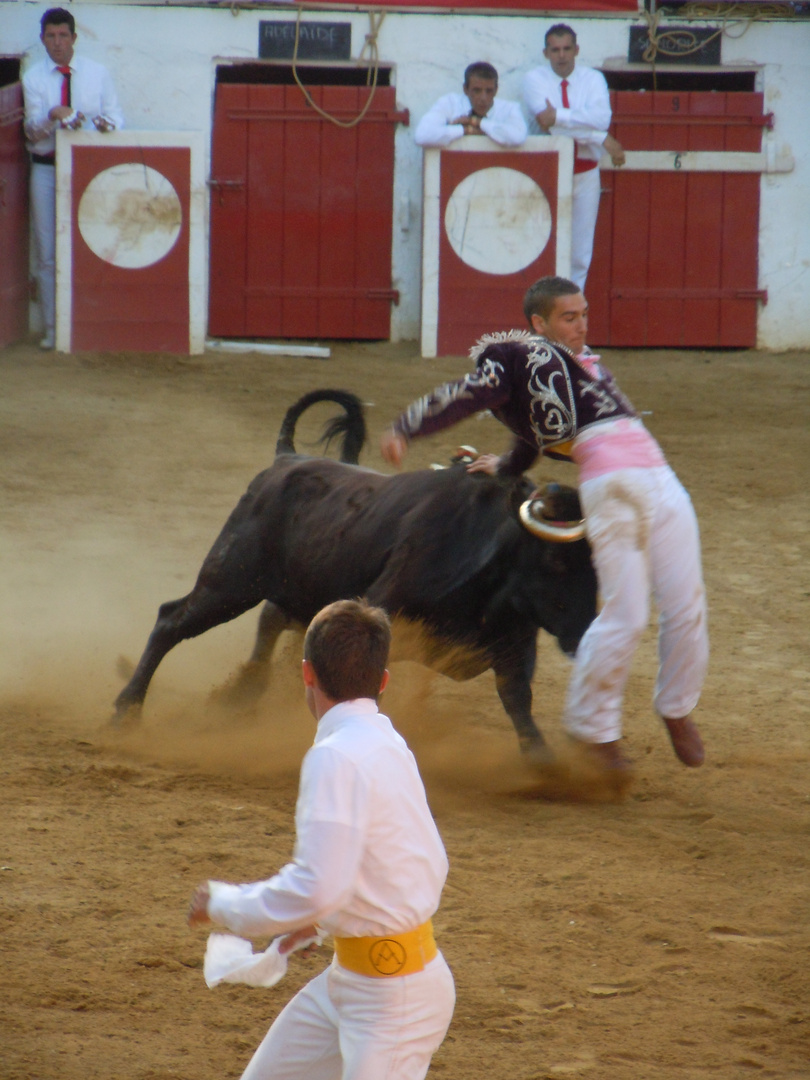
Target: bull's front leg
column 213, row 600
column 165, row 635
column 514, row 671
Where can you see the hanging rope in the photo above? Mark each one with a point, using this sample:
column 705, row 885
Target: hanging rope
column 729, row 15
column 375, row 23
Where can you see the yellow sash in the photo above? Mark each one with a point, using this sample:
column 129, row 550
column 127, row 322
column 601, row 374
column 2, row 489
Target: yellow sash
column 384, row 957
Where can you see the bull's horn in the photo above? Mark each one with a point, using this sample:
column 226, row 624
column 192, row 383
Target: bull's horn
column 560, row 532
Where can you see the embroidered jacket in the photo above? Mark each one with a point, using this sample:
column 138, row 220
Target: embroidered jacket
column 535, row 387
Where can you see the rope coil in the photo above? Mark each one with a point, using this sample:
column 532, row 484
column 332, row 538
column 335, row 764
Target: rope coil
column 376, row 18
column 729, row 15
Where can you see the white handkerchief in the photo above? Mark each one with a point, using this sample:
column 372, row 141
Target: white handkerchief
column 232, row 959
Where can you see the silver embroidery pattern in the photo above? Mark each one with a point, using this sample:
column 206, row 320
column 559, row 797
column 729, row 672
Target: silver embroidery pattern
column 552, row 409
column 433, row 404
column 488, row 374
column 605, row 404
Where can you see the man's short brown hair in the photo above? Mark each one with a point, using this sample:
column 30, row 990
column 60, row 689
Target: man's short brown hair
column 347, row 644
column 541, row 297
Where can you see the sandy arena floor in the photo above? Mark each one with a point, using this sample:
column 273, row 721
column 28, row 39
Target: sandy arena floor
column 663, row 937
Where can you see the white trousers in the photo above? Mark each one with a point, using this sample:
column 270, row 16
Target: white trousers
column 43, row 210
column 343, row 1026
column 644, row 536
column 584, row 212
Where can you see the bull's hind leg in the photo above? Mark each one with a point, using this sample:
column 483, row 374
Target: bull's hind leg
column 249, row 683
column 178, row 620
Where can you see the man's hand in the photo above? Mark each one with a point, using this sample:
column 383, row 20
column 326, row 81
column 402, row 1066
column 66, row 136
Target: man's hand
column 73, row 121
column 548, row 117
column 103, row 124
column 487, row 463
column 615, row 149
column 60, row 112
column 393, row 447
column 289, row 941
column 35, row 132
column 198, row 908
column 471, row 123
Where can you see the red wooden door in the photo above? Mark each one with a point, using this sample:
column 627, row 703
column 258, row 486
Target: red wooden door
column 676, row 253
column 13, row 218
column 301, row 213
column 477, row 296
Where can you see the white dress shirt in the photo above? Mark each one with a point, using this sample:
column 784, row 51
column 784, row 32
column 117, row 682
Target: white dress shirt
column 504, row 123
column 587, row 118
column 91, row 92
column 368, row 857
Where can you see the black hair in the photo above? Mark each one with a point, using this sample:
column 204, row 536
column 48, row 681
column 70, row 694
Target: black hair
column 559, row 30
column 480, row 69
column 57, row 17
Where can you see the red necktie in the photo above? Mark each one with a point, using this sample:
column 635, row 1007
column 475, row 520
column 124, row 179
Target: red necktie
column 65, row 71
column 564, row 88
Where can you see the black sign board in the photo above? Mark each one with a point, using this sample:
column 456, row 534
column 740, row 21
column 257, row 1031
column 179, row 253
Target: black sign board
column 676, row 45
column 316, row 40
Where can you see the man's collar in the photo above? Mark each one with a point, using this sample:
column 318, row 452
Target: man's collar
column 332, row 718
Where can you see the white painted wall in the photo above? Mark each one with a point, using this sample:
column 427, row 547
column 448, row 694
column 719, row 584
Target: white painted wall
column 164, row 59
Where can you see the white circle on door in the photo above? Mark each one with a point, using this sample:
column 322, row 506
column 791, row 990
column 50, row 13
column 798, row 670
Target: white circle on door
column 498, row 220
column 130, row 215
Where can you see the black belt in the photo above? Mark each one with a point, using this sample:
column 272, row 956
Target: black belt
column 43, row 159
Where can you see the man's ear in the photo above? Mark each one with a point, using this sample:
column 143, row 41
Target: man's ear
column 308, row 674
column 384, row 680
column 539, row 324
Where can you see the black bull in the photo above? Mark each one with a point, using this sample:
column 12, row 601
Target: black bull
column 443, row 548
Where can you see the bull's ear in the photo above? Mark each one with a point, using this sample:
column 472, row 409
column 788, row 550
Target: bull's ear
column 445, row 541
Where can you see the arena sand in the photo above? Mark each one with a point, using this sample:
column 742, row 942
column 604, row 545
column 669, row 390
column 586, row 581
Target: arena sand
column 662, row 937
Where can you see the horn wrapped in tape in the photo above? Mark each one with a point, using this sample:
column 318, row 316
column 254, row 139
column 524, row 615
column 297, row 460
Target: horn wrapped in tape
column 559, row 532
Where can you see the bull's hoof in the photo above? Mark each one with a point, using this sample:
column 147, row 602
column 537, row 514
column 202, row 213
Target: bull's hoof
column 127, row 713
column 602, row 767
column 537, row 754
column 243, row 689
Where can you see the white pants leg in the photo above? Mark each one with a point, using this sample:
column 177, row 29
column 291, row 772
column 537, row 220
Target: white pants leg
column 584, row 212
column 43, row 212
column 683, row 639
column 643, row 536
column 343, row 1026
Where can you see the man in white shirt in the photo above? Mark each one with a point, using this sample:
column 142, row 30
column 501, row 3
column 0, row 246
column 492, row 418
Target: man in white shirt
column 61, row 91
column 475, row 112
column 573, row 100
column 368, row 868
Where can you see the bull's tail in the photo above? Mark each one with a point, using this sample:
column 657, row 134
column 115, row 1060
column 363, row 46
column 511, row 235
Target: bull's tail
column 350, row 427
